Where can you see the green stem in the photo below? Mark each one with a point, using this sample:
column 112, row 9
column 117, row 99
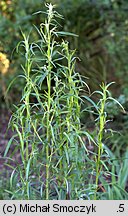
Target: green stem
column 27, row 102
column 100, row 138
column 48, row 107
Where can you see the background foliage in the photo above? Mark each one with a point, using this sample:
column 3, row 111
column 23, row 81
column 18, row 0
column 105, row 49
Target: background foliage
column 102, row 47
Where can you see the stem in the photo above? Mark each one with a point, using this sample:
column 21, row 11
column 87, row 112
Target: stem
column 49, row 105
column 100, row 137
column 27, row 98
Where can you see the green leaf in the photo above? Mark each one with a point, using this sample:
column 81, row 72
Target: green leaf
column 68, row 137
column 82, row 143
column 91, row 101
column 97, row 92
column 109, row 84
column 62, row 33
column 8, row 145
column 27, row 169
column 110, row 98
column 11, row 178
column 90, row 138
column 66, row 153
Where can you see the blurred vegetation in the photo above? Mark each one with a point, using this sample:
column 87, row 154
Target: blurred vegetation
column 101, row 45
column 101, row 26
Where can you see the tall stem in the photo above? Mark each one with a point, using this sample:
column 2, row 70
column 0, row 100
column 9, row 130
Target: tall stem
column 27, row 98
column 102, row 120
column 49, row 67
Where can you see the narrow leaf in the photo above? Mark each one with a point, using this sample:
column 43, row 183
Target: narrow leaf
column 66, row 33
column 110, row 98
column 91, row 101
column 8, row 145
